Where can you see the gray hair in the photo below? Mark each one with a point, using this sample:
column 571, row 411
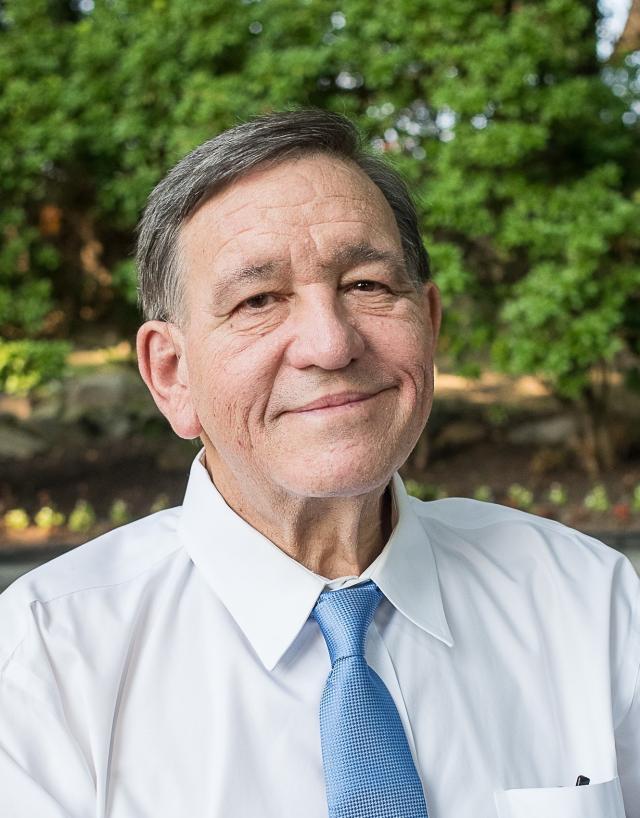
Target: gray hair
column 263, row 141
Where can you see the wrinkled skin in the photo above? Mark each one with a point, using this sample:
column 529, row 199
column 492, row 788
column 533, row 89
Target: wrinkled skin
column 296, row 289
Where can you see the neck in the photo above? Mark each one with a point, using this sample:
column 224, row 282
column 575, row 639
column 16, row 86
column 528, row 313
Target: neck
column 331, row 536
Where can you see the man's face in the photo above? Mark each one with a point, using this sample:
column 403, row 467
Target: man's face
column 298, row 296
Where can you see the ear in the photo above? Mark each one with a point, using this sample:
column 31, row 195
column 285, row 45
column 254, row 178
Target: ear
column 433, row 308
column 163, row 366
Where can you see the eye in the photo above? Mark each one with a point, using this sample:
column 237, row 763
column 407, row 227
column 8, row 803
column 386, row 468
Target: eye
column 256, row 302
column 367, row 286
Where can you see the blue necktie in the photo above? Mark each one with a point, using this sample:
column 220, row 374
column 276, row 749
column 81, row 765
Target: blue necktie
column 368, row 768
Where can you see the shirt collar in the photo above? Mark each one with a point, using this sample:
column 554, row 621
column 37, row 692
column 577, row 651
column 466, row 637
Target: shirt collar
column 270, row 595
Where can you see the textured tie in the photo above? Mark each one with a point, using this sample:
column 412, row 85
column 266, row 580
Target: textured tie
column 368, row 768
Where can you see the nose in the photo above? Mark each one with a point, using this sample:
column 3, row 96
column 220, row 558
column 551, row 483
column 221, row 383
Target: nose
column 323, row 334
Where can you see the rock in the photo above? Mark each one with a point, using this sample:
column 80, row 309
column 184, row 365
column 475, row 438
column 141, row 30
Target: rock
column 118, row 428
column 19, row 444
column 48, row 401
column 552, row 431
column 108, row 390
column 458, row 434
column 14, row 406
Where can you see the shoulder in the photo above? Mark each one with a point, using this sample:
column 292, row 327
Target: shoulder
column 476, row 521
column 483, row 539
column 115, row 558
column 579, row 592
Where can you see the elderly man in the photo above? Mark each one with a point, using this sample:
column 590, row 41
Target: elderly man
column 301, row 637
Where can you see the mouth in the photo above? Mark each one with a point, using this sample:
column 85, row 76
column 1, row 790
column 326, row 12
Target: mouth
column 341, row 401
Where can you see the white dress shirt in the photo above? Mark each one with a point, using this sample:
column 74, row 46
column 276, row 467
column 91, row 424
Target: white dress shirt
column 169, row 668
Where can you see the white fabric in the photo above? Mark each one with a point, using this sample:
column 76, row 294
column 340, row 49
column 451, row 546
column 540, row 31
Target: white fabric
column 168, row 669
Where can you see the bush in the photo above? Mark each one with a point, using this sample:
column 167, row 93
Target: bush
column 597, row 499
column 520, row 496
column 82, row 517
column 558, row 495
column 27, row 364
column 119, row 513
column 483, row 493
column 47, row 517
column 423, row 491
column 16, row 519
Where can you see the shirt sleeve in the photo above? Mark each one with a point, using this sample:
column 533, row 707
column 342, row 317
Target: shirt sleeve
column 43, row 772
column 627, row 733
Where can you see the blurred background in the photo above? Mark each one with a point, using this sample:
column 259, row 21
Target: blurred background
column 517, row 126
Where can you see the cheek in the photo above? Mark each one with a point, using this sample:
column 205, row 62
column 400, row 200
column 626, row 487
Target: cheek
column 233, row 384
column 402, row 347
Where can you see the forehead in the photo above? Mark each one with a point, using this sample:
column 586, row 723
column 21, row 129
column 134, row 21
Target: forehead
column 312, row 200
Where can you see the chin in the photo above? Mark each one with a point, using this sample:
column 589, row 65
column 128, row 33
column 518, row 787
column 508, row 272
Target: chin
column 338, row 476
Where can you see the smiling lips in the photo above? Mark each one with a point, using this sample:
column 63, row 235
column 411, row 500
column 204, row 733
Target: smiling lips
column 332, row 401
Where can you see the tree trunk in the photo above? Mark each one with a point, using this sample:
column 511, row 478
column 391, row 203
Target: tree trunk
column 596, row 449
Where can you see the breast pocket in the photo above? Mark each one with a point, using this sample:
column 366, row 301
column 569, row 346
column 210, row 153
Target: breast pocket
column 602, row 800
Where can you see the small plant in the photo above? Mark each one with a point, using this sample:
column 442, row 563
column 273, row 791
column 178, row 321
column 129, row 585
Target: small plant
column 597, row 499
column 622, row 512
column 161, row 502
column 16, row 519
column 119, row 512
column 635, row 500
column 520, row 497
column 423, row 491
column 47, row 517
column 497, row 414
column 483, row 493
column 558, row 495
column 82, row 517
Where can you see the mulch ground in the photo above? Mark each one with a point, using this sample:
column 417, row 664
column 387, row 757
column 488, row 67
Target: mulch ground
column 139, row 474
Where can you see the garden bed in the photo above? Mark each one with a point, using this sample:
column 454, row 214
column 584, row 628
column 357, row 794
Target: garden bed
column 99, row 489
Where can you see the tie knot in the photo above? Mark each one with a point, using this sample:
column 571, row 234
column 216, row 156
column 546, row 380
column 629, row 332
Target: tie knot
column 344, row 617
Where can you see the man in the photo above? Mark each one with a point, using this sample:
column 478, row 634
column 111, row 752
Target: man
column 300, row 637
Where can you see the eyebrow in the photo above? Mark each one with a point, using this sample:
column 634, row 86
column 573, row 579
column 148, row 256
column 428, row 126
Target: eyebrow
column 344, row 257
column 244, row 275
column 351, row 255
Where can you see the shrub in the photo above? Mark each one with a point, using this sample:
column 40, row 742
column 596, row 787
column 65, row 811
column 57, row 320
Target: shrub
column 520, row 497
column 597, row 499
column 119, row 512
column 161, row 502
column 47, row 517
column 424, row 491
column 27, row 364
column 82, row 517
column 16, row 519
column 483, row 493
column 558, row 495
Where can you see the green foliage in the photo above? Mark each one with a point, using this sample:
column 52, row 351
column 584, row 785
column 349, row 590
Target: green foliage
column 423, row 491
column 597, row 499
column 161, row 502
column 558, row 495
column 82, row 517
column 119, row 512
column 521, row 149
column 520, row 496
column 16, row 519
column 47, row 517
column 483, row 493
column 27, row 364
